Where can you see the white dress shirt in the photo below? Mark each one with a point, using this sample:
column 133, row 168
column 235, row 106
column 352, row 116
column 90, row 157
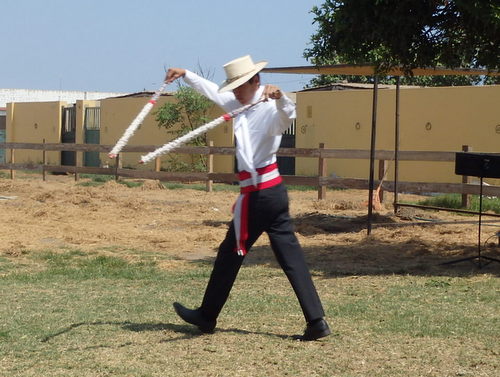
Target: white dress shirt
column 258, row 131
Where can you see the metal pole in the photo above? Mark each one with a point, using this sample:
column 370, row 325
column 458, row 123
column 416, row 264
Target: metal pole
column 480, row 218
column 372, row 153
column 396, row 146
column 465, row 179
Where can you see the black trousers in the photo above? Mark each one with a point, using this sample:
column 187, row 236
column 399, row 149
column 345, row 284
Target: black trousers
column 268, row 212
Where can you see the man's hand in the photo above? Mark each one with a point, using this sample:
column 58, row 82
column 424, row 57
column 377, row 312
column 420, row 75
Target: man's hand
column 173, row 74
column 272, row 91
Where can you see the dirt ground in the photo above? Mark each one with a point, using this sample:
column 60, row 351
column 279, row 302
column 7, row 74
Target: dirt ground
column 187, row 224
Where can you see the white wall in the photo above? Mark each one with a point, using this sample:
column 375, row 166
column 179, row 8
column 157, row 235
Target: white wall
column 34, row 95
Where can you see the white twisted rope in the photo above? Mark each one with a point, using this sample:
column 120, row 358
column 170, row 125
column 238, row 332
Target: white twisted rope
column 136, row 123
column 191, row 135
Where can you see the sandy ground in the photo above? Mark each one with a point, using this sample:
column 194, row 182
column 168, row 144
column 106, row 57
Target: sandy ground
column 186, row 224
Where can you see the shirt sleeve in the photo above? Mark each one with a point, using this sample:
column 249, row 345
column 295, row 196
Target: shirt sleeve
column 286, row 114
column 209, row 90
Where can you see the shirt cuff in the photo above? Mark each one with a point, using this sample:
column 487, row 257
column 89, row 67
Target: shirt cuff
column 189, row 77
column 286, row 104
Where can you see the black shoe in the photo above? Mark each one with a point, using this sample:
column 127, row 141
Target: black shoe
column 195, row 317
column 315, row 330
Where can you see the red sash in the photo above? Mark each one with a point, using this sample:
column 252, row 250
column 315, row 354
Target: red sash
column 268, row 176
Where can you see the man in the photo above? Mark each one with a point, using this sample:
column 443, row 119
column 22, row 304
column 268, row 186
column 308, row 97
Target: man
column 263, row 203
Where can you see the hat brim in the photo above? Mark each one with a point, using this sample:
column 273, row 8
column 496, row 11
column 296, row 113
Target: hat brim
column 233, row 84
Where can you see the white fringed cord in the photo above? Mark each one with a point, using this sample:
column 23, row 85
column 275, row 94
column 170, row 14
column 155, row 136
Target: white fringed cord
column 136, row 123
column 191, row 135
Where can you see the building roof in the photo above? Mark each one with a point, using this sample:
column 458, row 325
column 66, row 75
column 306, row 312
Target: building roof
column 143, row 94
column 354, row 86
column 369, row 70
column 37, row 95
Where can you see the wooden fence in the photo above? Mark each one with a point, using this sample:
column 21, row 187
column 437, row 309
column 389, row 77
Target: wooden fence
column 321, row 180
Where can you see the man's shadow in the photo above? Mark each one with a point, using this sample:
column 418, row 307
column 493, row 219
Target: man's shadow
column 186, row 331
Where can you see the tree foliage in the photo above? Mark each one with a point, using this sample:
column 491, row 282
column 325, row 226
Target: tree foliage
column 410, row 34
column 188, row 112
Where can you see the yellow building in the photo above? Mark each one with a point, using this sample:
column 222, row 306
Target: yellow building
column 56, row 122
column 34, row 122
column 117, row 114
column 431, row 119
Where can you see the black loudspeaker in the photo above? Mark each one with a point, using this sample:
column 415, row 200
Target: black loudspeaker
column 486, row 165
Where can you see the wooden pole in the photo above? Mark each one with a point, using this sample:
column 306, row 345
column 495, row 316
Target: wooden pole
column 44, row 161
column 382, row 167
column 12, row 161
column 76, row 164
column 321, row 173
column 210, row 167
column 157, row 164
column 117, row 165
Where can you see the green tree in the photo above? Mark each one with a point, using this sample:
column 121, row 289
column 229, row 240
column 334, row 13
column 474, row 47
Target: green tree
column 187, row 113
column 408, row 33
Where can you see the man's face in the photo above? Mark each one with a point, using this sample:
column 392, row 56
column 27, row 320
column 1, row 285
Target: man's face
column 245, row 92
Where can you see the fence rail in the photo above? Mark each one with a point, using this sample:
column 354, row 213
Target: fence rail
column 321, row 180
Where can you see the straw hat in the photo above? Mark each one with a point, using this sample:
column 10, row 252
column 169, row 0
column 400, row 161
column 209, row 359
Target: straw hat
column 239, row 71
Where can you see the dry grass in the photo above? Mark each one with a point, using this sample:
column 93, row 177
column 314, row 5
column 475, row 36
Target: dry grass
column 88, row 275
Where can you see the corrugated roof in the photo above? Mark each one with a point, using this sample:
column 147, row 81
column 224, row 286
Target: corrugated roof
column 354, row 86
column 143, row 94
column 369, row 70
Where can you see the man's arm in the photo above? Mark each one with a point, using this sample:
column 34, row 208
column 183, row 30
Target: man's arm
column 203, row 86
column 284, row 106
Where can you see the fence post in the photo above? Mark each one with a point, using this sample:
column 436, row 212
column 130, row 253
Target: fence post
column 44, row 161
column 465, row 179
column 77, row 163
column 157, row 164
column 382, row 169
column 210, row 167
column 12, row 161
column 117, row 165
column 321, row 173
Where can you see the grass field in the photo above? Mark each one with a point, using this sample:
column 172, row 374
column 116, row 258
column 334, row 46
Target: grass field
column 108, row 313
column 455, row 201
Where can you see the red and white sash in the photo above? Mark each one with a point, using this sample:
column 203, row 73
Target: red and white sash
column 268, row 176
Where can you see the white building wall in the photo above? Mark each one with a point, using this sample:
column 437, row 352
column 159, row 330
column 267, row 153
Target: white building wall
column 34, row 95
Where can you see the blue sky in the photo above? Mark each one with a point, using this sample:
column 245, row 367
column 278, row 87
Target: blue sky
column 125, row 45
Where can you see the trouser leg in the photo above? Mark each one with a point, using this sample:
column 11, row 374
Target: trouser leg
column 290, row 256
column 268, row 211
column 226, row 267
